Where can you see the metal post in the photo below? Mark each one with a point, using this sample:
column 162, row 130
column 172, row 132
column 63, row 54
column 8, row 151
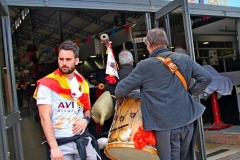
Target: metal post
column 188, row 29
column 148, row 22
column 10, row 70
column 3, row 136
column 32, row 25
column 168, row 30
column 238, row 36
column 60, row 25
column 200, row 139
column 134, row 48
column 190, row 50
column 156, row 23
column 238, row 45
column 103, row 61
column 123, row 19
column 17, row 52
column 123, row 46
column 201, row 1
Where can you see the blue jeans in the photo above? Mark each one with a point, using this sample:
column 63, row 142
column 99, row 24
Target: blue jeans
column 175, row 144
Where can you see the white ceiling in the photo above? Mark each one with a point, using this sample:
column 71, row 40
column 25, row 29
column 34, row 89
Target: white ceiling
column 78, row 24
column 215, row 27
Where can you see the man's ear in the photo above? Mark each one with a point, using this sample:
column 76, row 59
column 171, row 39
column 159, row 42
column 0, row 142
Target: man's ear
column 76, row 61
column 147, row 43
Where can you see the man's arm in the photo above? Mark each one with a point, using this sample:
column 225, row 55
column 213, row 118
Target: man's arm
column 129, row 83
column 45, row 112
column 203, row 79
column 87, row 113
column 80, row 125
column 44, row 102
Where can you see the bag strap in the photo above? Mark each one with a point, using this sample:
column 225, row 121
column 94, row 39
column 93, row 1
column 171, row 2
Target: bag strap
column 174, row 69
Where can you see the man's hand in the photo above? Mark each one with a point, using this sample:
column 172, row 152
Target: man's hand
column 80, row 126
column 56, row 154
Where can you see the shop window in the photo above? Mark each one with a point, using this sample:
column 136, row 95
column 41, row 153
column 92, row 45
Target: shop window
column 221, row 55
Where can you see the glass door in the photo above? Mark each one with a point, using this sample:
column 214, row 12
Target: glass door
column 139, row 32
column 175, row 18
column 10, row 135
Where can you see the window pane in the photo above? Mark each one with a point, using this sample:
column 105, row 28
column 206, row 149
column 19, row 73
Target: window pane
column 233, row 3
column 190, row 1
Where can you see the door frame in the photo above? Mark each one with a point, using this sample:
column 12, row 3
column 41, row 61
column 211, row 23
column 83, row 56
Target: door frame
column 11, row 120
column 195, row 8
column 163, row 12
column 144, row 19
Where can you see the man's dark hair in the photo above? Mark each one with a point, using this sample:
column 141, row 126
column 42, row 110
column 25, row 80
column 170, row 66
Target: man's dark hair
column 69, row 45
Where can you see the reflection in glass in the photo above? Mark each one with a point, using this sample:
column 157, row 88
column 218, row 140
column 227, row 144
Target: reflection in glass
column 232, row 3
column 176, row 29
column 139, row 34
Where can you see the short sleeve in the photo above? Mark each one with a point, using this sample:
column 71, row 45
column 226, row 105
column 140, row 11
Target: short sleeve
column 44, row 95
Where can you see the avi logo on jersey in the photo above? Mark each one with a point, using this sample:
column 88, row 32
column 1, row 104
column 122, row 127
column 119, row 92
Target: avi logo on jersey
column 68, row 107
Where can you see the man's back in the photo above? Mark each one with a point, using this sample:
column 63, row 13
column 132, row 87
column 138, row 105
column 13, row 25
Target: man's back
column 163, row 92
column 124, row 71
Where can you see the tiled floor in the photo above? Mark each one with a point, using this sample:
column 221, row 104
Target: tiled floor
column 32, row 136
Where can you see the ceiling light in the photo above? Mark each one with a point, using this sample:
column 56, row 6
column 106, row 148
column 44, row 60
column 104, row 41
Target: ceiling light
column 4, row 67
column 171, row 47
column 205, row 42
column 92, row 56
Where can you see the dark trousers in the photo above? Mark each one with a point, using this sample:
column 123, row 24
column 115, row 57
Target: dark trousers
column 175, row 144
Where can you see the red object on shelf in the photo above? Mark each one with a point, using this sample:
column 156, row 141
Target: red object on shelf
column 217, row 124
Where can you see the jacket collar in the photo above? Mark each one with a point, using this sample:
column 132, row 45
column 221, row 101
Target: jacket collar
column 127, row 64
column 158, row 51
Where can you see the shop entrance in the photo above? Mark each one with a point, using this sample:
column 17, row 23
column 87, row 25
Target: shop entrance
column 48, row 52
column 46, row 42
column 44, row 36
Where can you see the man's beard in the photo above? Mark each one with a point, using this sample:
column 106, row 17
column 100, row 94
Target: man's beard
column 68, row 71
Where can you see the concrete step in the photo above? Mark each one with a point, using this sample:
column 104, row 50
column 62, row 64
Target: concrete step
column 229, row 135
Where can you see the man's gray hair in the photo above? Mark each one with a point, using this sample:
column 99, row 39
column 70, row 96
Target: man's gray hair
column 180, row 50
column 157, row 36
column 125, row 57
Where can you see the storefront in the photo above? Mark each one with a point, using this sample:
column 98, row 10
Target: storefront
column 162, row 11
